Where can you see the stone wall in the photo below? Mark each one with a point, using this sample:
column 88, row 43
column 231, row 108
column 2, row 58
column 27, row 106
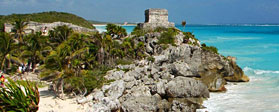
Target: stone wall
column 46, row 27
column 156, row 18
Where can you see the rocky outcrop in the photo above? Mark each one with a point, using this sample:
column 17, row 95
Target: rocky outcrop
column 178, row 79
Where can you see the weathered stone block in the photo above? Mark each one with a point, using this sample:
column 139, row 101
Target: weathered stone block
column 156, row 18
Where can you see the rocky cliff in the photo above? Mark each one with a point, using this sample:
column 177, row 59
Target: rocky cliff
column 175, row 78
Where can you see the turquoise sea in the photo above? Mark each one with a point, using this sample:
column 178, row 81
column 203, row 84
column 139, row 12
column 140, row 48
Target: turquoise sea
column 256, row 48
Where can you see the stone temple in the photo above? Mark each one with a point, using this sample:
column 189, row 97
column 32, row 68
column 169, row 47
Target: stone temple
column 156, row 18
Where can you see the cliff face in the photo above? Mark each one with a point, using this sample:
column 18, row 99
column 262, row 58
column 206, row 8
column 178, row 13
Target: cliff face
column 178, row 78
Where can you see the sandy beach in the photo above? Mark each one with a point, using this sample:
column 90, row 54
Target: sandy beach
column 48, row 103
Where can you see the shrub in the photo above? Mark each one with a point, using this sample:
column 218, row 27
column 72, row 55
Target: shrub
column 210, row 48
column 21, row 96
column 123, row 62
column 160, row 29
column 167, row 37
column 189, row 35
column 88, row 79
column 152, row 59
column 137, row 31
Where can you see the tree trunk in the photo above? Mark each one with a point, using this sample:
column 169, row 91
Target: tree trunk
column 62, row 89
column 33, row 64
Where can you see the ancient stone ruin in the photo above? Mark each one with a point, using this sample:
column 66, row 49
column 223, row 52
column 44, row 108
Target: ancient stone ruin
column 156, row 18
column 46, row 27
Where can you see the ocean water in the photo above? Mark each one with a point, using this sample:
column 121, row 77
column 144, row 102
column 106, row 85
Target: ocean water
column 256, row 48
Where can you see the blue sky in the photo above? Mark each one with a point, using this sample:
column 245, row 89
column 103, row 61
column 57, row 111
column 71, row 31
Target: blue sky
column 193, row 11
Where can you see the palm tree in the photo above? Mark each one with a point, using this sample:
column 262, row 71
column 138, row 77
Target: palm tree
column 183, row 24
column 67, row 60
column 114, row 30
column 34, row 48
column 60, row 34
column 7, row 48
column 19, row 27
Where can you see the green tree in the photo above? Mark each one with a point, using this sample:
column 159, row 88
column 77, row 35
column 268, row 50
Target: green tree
column 68, row 60
column 115, row 30
column 2, row 27
column 19, row 26
column 32, row 51
column 8, row 47
column 60, row 34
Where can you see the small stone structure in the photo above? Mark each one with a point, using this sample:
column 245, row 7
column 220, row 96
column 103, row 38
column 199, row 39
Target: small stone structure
column 156, row 18
column 46, row 27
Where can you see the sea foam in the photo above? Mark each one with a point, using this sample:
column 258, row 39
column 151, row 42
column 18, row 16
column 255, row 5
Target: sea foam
column 259, row 72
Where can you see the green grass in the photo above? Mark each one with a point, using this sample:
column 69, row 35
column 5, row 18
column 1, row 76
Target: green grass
column 151, row 58
column 124, row 62
column 48, row 17
column 210, row 48
column 39, row 84
column 167, row 37
column 189, row 35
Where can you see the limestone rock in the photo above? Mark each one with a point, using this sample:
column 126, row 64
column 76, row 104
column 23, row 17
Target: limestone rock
column 131, row 66
column 181, row 69
column 114, row 90
column 106, row 105
column 98, row 95
column 161, row 87
column 183, row 87
column 238, row 75
column 141, row 104
column 114, row 74
column 159, row 60
column 180, row 105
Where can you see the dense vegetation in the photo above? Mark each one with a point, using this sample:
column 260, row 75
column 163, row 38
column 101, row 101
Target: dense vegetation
column 19, row 96
column 48, row 17
column 75, row 62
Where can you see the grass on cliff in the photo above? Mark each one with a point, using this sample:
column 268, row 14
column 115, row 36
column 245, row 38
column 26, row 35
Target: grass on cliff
column 188, row 36
column 48, row 17
column 168, row 36
column 210, row 48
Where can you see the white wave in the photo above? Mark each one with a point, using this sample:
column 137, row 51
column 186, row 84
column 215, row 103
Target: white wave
column 259, row 72
column 101, row 28
column 260, row 91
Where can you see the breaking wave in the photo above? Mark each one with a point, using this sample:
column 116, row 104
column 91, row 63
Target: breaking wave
column 258, row 71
